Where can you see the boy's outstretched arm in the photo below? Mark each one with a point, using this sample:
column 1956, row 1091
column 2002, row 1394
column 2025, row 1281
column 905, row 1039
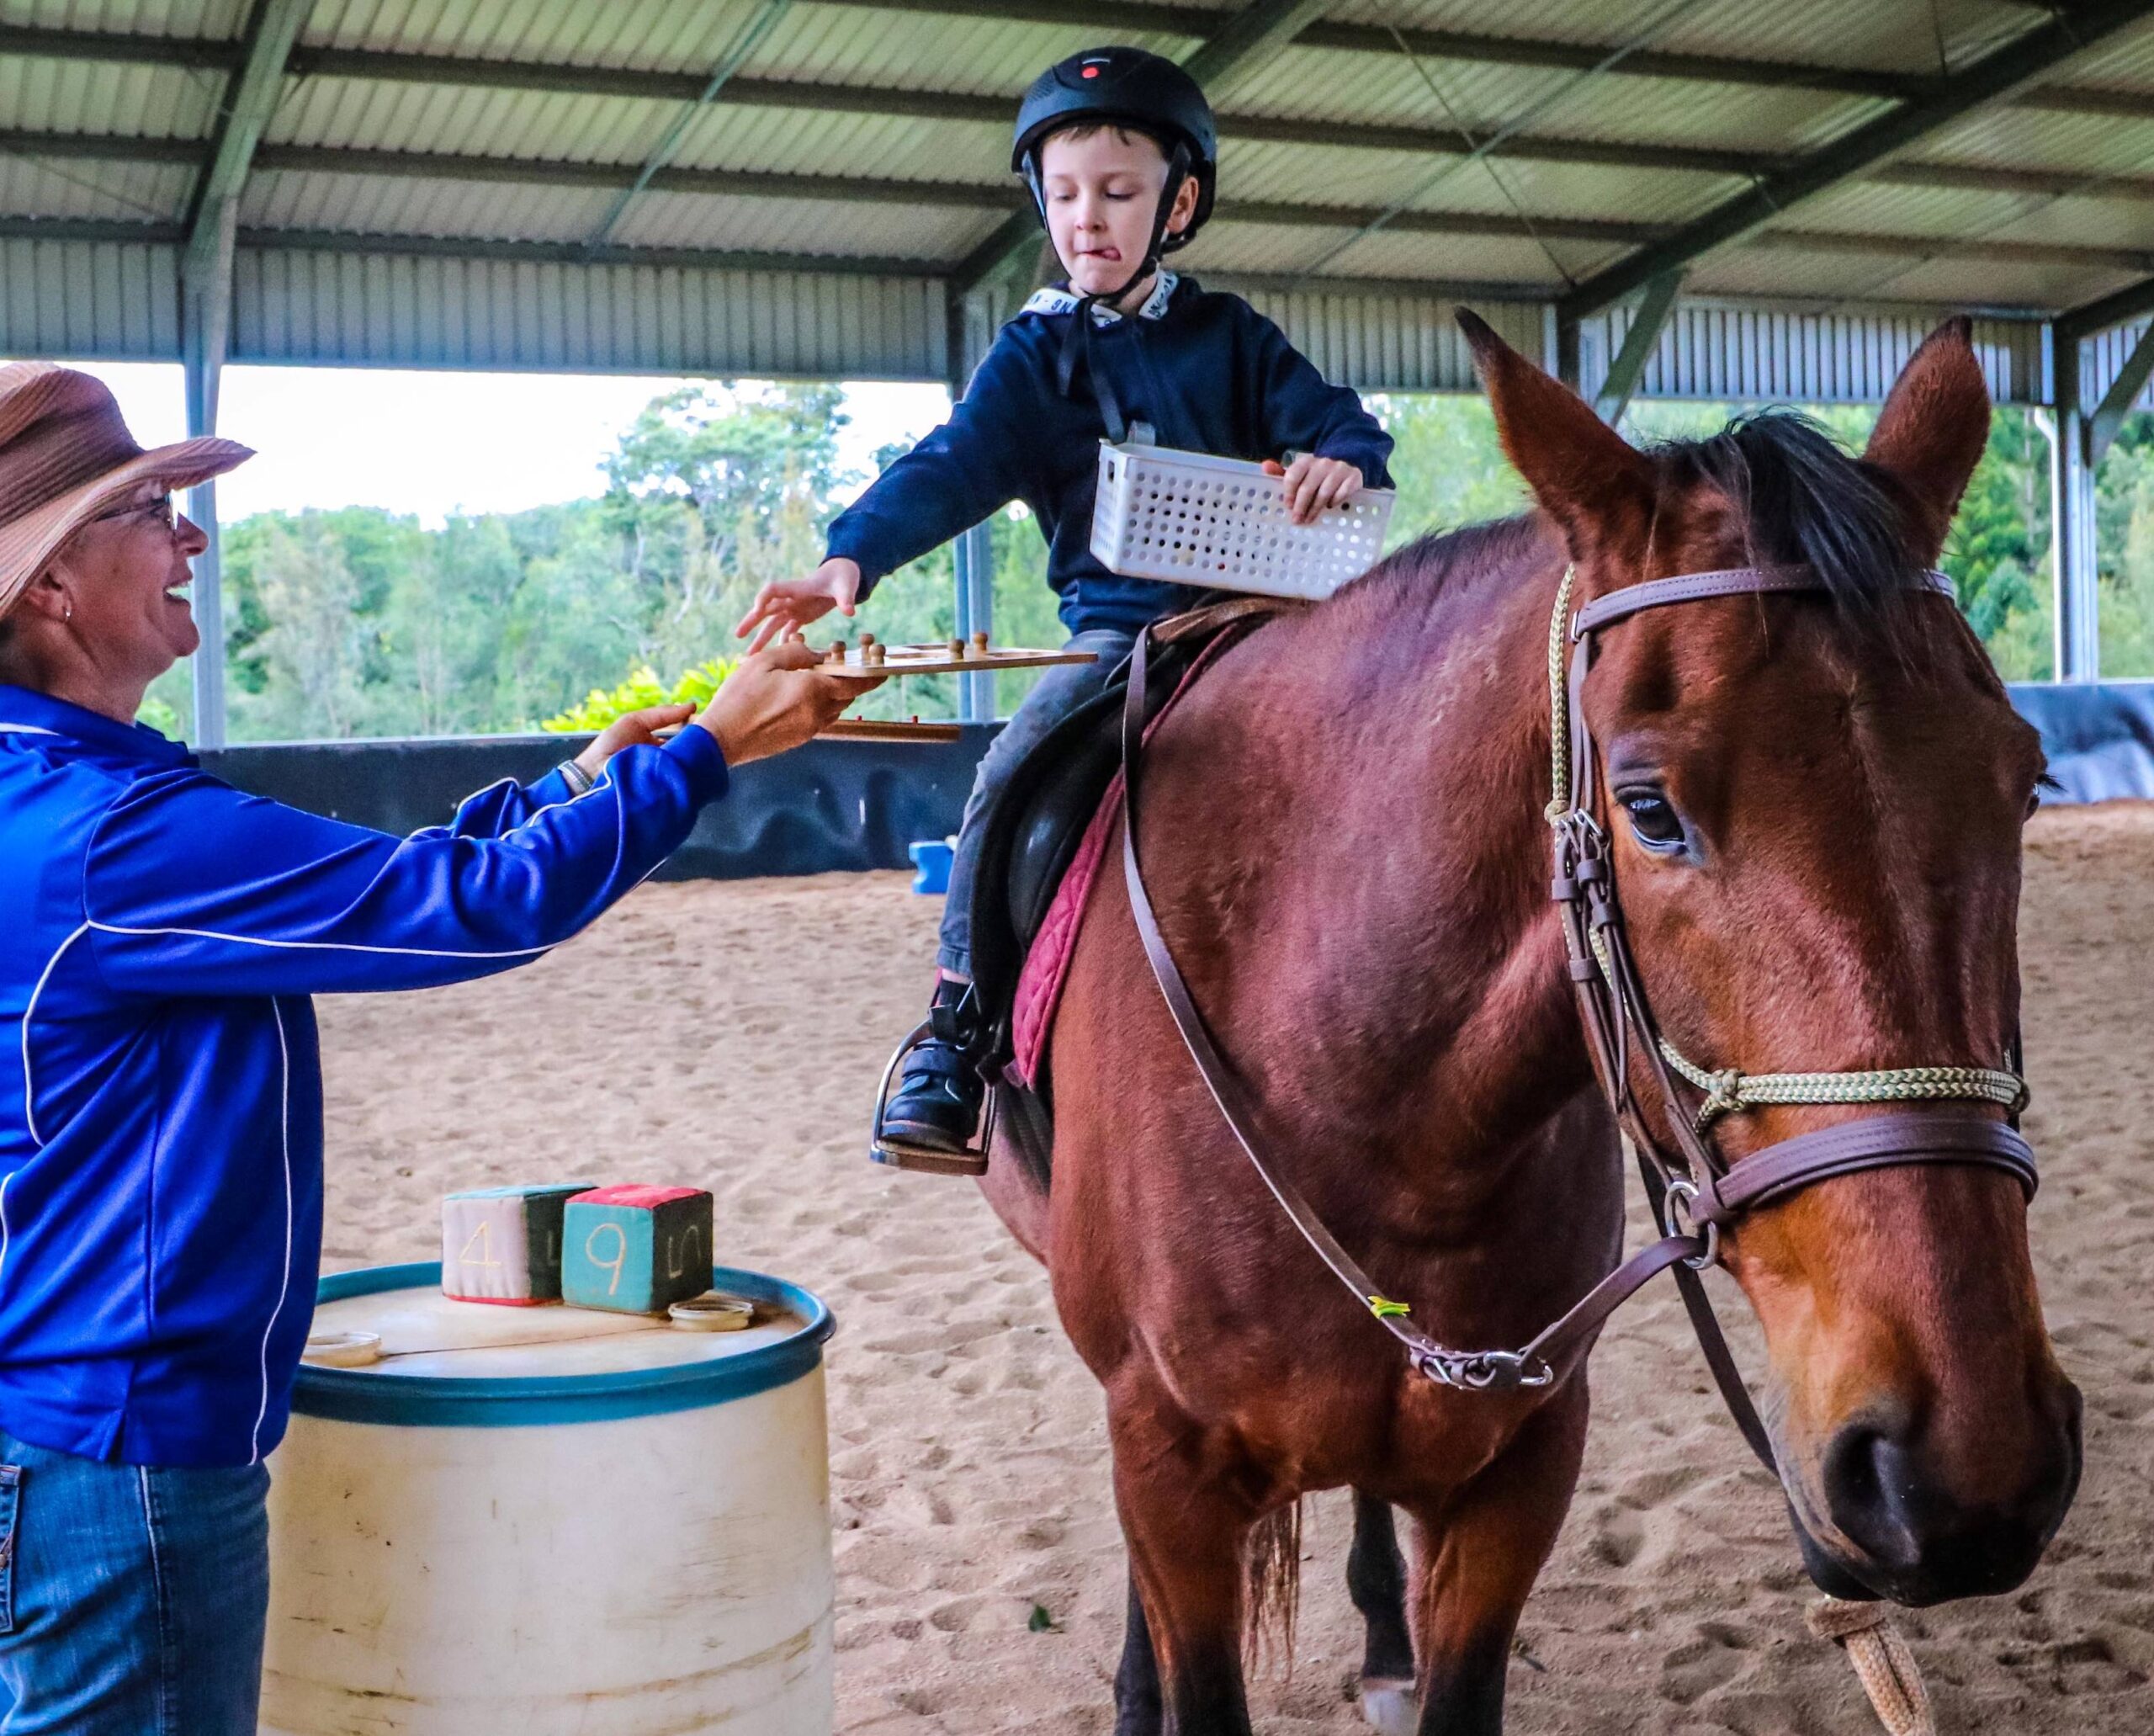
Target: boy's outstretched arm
column 968, row 467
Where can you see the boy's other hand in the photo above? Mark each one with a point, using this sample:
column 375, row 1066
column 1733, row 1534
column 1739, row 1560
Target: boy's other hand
column 789, row 604
column 775, row 700
column 635, row 730
column 1315, row 483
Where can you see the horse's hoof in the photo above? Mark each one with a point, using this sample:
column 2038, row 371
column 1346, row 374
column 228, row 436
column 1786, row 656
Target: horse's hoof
column 1391, row 1707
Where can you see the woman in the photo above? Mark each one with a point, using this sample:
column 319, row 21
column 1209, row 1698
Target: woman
column 160, row 1148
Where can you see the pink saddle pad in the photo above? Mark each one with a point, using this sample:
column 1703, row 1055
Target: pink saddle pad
column 1047, row 965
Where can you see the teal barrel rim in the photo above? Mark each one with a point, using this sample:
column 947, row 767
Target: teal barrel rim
column 366, row 1395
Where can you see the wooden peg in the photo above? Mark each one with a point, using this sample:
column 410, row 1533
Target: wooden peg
column 957, row 648
column 874, row 656
column 980, row 645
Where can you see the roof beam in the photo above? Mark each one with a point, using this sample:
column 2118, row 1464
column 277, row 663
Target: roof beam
column 250, row 98
column 2011, row 67
column 2107, row 420
column 1639, row 343
column 1950, row 247
column 2133, row 302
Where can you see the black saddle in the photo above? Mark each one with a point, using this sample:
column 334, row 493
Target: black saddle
column 1032, row 832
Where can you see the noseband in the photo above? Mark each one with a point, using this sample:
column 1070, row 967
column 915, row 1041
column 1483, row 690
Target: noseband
column 1694, row 1192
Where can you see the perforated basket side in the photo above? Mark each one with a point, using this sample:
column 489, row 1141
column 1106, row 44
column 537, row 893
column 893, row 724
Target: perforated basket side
column 1189, row 518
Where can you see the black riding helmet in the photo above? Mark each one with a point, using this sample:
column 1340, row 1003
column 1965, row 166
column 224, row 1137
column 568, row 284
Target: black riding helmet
column 1129, row 87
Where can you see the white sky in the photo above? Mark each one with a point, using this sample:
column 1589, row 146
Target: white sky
column 433, row 443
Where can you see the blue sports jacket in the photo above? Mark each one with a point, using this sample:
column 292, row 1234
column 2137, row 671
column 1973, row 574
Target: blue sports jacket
column 1207, row 370
column 160, row 1081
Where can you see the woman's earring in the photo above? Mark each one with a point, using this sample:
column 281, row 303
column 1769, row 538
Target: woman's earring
column 68, row 613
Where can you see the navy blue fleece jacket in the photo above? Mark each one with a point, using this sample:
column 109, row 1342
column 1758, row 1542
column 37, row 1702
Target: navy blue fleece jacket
column 1208, row 371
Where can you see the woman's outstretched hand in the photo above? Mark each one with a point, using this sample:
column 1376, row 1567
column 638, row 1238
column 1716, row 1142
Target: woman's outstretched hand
column 776, row 699
column 1313, row 484
column 786, row 605
column 636, row 729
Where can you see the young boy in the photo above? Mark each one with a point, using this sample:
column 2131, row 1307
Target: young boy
column 1119, row 150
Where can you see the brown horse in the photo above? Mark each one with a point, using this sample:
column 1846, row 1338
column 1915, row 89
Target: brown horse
column 1817, row 808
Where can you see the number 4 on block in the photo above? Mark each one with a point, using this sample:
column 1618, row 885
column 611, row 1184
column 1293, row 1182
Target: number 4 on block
column 504, row 1244
column 636, row 1250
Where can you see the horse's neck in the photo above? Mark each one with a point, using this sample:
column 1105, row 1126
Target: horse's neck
column 1413, row 749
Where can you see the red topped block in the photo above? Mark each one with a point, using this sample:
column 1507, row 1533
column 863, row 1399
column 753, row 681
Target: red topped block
column 643, row 1198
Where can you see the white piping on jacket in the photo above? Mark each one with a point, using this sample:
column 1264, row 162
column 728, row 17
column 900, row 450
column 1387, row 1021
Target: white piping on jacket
column 30, row 1089
column 285, row 1283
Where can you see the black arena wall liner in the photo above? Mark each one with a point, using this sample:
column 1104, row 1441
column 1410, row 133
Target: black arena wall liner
column 836, row 806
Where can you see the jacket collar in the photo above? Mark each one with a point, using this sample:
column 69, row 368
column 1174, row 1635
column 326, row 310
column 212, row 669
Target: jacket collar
column 30, row 716
column 1060, row 301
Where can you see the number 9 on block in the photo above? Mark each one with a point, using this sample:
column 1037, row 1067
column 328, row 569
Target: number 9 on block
column 637, row 1250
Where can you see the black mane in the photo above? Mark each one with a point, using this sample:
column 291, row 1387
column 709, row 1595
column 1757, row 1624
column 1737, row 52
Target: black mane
column 1804, row 502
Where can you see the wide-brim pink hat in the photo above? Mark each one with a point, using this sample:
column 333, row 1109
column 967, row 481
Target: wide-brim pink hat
column 66, row 454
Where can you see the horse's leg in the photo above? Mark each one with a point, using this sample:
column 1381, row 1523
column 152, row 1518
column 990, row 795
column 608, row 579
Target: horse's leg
column 1186, row 1529
column 1375, row 1580
column 1137, row 1708
column 1482, row 1548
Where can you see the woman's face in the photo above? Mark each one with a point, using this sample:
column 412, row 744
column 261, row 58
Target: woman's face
column 1103, row 190
column 125, row 576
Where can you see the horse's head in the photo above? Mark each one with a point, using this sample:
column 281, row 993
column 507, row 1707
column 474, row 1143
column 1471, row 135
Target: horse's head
column 1815, row 805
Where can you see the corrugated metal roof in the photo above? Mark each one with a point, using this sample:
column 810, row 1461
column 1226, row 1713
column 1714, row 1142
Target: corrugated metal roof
column 41, row 94
column 136, row 17
column 825, row 93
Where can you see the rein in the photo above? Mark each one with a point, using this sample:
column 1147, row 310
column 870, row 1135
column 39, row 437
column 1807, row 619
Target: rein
column 1693, row 1190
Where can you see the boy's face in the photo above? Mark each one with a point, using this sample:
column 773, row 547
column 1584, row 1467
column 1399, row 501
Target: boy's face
column 1103, row 190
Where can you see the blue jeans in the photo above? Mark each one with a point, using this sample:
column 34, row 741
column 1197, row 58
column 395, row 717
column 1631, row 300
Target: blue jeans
column 1061, row 691
column 132, row 1597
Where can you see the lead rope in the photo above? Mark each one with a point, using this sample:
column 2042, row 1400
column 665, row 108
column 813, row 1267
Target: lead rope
column 1882, row 1660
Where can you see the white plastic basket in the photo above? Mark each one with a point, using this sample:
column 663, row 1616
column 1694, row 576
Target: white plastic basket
column 1192, row 519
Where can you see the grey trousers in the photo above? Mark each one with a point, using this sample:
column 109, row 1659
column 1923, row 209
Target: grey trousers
column 1060, row 691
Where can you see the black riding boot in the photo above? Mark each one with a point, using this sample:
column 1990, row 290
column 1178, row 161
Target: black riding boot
column 939, row 1091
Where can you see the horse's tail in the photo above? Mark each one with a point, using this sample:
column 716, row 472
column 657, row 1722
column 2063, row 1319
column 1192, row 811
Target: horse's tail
column 1271, row 1586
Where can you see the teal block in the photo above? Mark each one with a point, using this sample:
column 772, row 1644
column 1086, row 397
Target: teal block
column 636, row 1250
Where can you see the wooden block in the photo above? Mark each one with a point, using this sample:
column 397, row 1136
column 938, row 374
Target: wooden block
column 636, row 1250
column 504, row 1244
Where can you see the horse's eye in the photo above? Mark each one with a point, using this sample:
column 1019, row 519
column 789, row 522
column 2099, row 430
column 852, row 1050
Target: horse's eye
column 1654, row 820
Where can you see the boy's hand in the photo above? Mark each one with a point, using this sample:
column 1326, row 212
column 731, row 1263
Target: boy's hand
column 1315, row 483
column 790, row 604
column 636, row 729
column 775, row 700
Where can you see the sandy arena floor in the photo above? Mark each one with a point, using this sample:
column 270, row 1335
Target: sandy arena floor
column 731, row 1034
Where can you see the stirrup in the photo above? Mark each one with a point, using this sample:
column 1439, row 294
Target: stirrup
column 927, row 1160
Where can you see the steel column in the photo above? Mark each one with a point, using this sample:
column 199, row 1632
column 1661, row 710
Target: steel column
column 975, row 551
column 2072, row 466
column 205, row 292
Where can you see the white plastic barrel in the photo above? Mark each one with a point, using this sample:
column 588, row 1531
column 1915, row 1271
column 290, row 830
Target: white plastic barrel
column 523, row 1521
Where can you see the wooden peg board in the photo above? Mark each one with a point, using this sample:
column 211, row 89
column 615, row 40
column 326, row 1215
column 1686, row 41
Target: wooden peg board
column 954, row 656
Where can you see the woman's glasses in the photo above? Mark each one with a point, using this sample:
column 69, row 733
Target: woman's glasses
column 158, row 507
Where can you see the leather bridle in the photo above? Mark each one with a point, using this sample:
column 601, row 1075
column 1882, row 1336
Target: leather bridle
column 1693, row 1190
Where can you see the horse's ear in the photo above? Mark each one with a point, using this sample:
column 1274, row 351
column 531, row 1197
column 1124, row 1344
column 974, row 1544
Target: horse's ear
column 1930, row 435
column 1586, row 476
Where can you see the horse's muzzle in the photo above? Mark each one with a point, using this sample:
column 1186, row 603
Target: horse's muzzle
column 1914, row 1541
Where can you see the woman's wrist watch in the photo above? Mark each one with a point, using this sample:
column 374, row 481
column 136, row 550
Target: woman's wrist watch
column 579, row 781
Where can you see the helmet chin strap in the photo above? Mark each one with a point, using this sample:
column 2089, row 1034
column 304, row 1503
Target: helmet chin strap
column 1077, row 341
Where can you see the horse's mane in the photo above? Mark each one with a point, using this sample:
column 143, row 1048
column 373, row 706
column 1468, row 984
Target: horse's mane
column 1803, row 502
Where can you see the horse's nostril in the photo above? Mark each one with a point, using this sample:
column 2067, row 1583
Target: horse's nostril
column 1868, row 1482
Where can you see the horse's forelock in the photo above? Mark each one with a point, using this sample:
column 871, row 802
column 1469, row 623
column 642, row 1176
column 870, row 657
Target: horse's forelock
column 1804, row 502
